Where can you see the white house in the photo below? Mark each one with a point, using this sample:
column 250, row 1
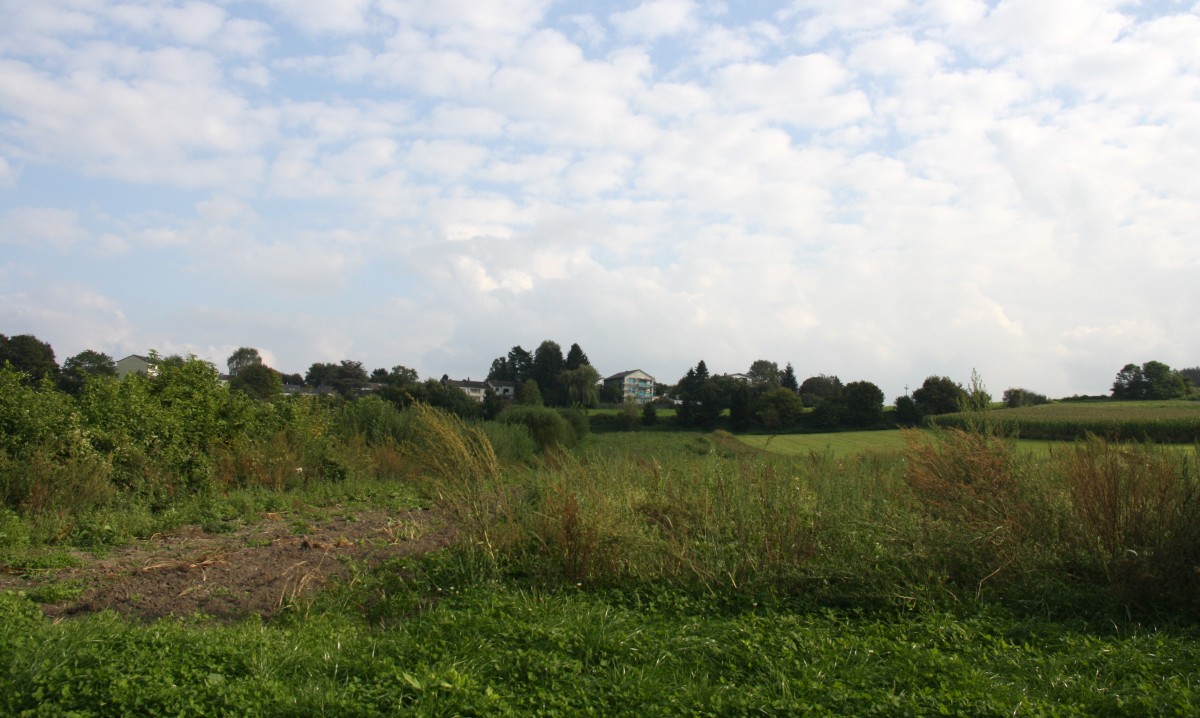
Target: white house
column 477, row 389
column 635, row 385
column 135, row 364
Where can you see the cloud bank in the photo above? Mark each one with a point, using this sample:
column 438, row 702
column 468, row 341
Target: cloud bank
column 882, row 190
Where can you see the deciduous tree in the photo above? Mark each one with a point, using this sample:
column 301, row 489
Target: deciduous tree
column 779, row 408
column 1152, row 380
column 817, row 389
column 242, row 358
column 906, row 413
column 258, row 381
column 1162, row 382
column 548, row 363
column 1016, row 397
column 580, row 385
column 347, row 377
column 862, row 403
column 1192, row 376
column 529, row 394
column 87, row 363
column 26, row 353
column 939, row 395
column 764, row 373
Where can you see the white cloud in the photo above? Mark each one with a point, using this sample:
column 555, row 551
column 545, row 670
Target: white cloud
column 485, row 27
column 255, row 75
column 70, row 316
column 816, row 20
column 880, row 190
column 897, row 54
column 170, row 126
column 192, row 23
column 222, row 209
column 444, row 158
column 800, row 90
column 320, row 17
column 588, row 29
column 305, row 266
column 551, row 93
column 42, row 227
column 655, row 18
column 597, row 174
column 8, row 174
column 721, row 45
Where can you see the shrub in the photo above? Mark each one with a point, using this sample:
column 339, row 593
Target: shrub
column 41, row 482
column 577, row 417
column 627, row 416
column 376, row 420
column 547, row 427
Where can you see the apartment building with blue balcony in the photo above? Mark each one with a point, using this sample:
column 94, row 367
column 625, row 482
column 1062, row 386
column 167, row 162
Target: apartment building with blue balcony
column 635, row 385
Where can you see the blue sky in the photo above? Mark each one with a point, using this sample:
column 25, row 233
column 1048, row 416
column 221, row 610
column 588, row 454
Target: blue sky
column 881, row 190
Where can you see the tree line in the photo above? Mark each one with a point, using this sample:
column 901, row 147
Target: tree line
column 772, row 399
column 546, row 376
column 766, row 397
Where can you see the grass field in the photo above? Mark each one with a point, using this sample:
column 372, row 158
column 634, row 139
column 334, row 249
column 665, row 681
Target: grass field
column 1060, row 423
column 838, row 443
column 648, row 573
column 496, row 649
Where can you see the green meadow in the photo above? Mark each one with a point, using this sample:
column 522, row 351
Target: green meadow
column 555, row 572
column 837, row 443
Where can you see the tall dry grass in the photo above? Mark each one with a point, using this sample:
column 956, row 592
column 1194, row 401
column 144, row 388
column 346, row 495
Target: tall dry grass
column 459, row 467
column 992, row 517
column 711, row 522
column 1136, row 511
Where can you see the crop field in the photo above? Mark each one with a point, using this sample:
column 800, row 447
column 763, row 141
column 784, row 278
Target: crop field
column 421, row 565
column 1176, row 421
column 846, row 443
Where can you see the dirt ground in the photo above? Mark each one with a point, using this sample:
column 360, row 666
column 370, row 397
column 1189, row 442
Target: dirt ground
column 259, row 569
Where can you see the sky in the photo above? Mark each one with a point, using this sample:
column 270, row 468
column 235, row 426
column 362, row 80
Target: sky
column 881, row 190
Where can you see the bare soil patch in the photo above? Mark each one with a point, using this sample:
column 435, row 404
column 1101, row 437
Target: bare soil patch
column 258, row 569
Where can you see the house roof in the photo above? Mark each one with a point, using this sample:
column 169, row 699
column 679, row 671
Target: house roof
column 467, row 384
column 622, row 375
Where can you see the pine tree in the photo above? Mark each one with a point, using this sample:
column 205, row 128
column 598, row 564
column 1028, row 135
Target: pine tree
column 789, row 379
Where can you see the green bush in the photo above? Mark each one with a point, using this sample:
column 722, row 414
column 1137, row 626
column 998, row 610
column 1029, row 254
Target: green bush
column 375, row 420
column 547, row 427
column 511, row 442
column 577, row 417
column 627, row 416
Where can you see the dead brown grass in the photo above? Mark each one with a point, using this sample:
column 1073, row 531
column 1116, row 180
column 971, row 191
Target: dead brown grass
column 1137, row 515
